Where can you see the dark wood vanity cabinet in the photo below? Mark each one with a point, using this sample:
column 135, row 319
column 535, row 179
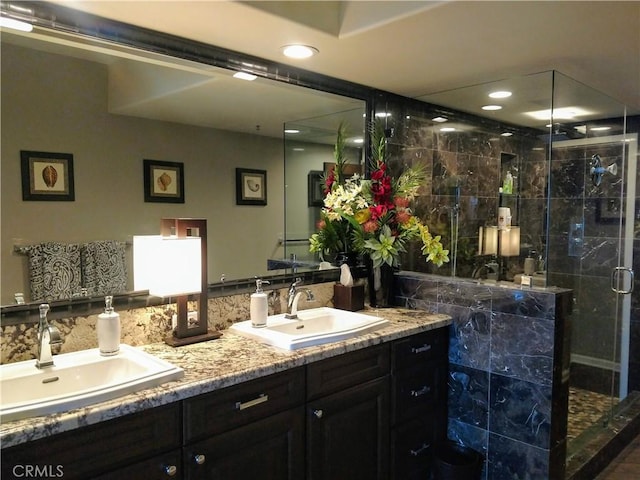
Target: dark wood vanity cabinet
column 369, row 414
column 348, row 416
column 148, row 441
column 247, row 431
column 419, row 402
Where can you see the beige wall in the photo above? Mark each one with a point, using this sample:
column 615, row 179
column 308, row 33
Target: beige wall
column 57, row 104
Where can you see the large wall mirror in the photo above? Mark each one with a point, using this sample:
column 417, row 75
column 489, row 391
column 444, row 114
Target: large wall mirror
column 111, row 107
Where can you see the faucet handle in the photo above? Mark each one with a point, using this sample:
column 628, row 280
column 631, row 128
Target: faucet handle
column 44, row 308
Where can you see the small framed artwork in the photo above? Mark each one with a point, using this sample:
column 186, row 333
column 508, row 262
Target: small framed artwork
column 251, row 187
column 315, row 181
column 47, row 176
column 163, row 181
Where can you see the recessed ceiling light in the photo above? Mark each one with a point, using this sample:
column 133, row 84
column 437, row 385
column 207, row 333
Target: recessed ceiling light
column 358, row 140
column 291, row 131
column 447, row 129
column 383, row 114
column 492, row 107
column 298, row 149
column 439, row 120
column 500, row 94
column 565, row 113
column 299, row 51
column 599, row 129
column 245, row 76
column 506, row 134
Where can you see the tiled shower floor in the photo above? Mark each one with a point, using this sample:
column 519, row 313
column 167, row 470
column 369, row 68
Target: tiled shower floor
column 586, row 409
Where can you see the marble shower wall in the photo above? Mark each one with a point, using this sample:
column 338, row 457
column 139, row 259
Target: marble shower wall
column 508, row 370
column 143, row 326
column 467, row 163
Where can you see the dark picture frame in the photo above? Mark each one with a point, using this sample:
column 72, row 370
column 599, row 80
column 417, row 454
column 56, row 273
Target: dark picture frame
column 251, row 186
column 47, row 176
column 163, row 181
column 315, row 188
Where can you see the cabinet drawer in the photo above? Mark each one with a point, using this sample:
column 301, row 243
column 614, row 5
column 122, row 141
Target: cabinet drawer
column 411, row 448
column 420, row 347
column 231, row 407
column 344, row 371
column 90, row 451
column 416, row 389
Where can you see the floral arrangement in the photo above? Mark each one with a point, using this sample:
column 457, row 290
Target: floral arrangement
column 373, row 216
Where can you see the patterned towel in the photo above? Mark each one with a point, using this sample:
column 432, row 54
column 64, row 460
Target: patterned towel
column 104, row 270
column 54, row 270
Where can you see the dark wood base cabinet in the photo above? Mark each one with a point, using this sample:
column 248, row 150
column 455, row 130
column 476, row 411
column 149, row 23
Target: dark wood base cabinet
column 371, row 414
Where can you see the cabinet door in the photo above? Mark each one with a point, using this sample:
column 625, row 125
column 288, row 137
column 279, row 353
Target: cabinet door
column 163, row 467
column 348, row 434
column 272, row 448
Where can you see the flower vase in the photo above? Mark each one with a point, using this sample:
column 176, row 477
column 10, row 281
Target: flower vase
column 381, row 280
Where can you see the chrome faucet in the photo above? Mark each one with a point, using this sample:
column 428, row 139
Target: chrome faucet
column 47, row 335
column 293, row 297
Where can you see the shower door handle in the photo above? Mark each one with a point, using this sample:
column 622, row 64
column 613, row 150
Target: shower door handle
column 615, row 280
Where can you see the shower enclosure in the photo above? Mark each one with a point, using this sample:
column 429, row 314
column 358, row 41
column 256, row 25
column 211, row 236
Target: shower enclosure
column 573, row 154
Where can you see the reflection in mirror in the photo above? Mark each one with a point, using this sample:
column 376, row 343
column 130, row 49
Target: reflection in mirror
column 309, row 157
column 112, row 107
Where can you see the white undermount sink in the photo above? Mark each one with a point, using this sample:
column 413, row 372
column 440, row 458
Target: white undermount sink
column 315, row 326
column 78, row 379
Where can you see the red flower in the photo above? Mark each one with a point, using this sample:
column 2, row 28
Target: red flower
column 401, row 202
column 328, row 183
column 402, row 216
column 321, row 224
column 370, row 226
column 378, row 211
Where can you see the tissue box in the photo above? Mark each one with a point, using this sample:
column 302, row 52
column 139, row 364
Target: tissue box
column 348, row 298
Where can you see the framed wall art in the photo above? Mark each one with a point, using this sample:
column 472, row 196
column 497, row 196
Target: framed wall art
column 315, row 188
column 163, row 181
column 47, row 176
column 251, row 186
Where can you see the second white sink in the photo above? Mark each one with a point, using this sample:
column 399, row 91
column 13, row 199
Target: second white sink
column 78, row 379
column 315, row 326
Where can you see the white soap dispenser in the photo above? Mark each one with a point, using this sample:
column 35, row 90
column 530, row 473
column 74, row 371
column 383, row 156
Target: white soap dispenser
column 259, row 307
column 108, row 328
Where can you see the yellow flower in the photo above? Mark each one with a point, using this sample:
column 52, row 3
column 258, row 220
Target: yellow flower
column 362, row 216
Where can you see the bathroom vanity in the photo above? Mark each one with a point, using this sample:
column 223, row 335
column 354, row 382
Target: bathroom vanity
column 369, row 407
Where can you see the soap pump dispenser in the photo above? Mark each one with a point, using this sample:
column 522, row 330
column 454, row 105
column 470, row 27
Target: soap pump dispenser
column 259, row 307
column 108, row 328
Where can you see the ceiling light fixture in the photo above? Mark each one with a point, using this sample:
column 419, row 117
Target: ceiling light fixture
column 500, row 94
column 383, row 114
column 299, row 51
column 491, row 107
column 245, row 76
column 447, row 129
column 506, row 134
column 565, row 113
column 439, row 120
column 15, row 24
column 599, row 129
column 291, row 131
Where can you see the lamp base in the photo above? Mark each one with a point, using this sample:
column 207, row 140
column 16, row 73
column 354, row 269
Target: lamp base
column 174, row 341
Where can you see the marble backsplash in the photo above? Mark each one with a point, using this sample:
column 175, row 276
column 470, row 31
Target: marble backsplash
column 143, row 326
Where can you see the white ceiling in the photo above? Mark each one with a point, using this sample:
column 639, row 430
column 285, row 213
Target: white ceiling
column 417, row 47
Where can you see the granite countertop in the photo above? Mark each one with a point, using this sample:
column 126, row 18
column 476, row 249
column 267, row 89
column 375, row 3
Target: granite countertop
column 216, row 364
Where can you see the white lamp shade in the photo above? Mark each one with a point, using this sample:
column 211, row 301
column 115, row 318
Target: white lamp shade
column 510, row 242
column 167, row 266
column 488, row 241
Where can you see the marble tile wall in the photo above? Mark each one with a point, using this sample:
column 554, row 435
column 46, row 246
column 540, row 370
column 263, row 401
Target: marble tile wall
column 508, row 370
column 143, row 326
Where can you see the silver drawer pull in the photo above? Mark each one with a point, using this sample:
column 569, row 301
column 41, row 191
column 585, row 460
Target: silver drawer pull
column 171, row 470
column 199, row 459
column 423, row 391
column 418, row 451
column 252, row 403
column 424, row 348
